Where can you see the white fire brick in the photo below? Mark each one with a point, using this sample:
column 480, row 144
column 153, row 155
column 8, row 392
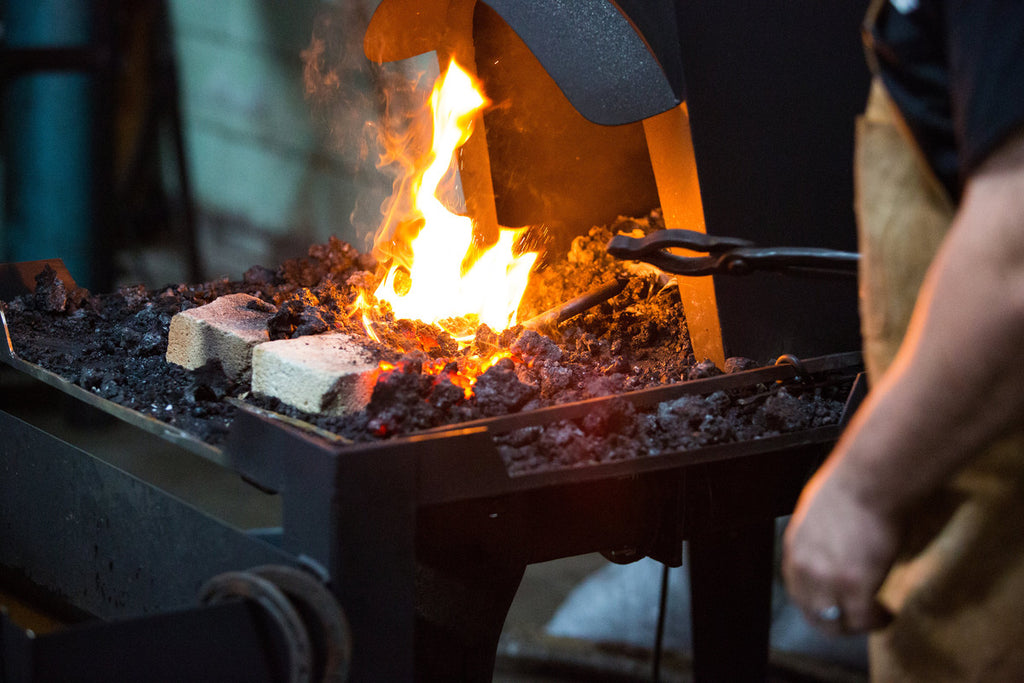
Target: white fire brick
column 326, row 373
column 228, row 329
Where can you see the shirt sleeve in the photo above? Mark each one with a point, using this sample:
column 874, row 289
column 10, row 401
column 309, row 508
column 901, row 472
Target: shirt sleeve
column 985, row 50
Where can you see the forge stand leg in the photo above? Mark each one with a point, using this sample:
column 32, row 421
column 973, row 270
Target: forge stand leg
column 460, row 615
column 731, row 585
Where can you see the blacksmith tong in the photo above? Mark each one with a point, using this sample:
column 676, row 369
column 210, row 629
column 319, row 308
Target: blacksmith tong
column 729, row 255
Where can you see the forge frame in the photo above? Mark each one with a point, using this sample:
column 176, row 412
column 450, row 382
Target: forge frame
column 423, row 539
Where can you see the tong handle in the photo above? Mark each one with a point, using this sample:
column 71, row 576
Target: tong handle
column 796, row 260
column 729, row 255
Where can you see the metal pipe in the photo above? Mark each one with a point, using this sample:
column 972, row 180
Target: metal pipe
column 48, row 144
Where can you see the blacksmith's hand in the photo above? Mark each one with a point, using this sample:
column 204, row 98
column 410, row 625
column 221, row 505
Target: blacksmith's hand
column 836, row 553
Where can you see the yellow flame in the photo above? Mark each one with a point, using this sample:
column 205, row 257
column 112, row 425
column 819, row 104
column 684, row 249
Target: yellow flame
column 435, row 286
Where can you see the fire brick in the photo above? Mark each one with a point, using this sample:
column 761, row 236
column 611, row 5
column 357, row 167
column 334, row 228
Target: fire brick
column 226, row 329
column 327, row 373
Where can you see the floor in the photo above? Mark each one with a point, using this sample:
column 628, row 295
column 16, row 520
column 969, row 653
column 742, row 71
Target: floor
column 578, row 618
column 618, row 641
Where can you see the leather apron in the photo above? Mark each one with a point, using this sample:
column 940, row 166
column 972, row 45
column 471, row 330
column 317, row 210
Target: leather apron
column 957, row 591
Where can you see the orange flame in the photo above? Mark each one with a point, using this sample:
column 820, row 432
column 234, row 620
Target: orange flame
column 433, row 284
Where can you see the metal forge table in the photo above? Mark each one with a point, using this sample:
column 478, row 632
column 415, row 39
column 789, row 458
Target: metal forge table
column 423, row 540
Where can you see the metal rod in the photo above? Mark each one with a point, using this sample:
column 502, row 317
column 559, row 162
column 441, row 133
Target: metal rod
column 559, row 314
column 659, row 633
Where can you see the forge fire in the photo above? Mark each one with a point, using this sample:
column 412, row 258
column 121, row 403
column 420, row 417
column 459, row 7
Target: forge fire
column 440, row 270
column 441, row 324
column 114, row 345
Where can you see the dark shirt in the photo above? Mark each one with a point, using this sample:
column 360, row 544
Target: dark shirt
column 955, row 69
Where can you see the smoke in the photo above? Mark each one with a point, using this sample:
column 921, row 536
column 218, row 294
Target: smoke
column 340, row 83
column 371, row 116
column 401, row 142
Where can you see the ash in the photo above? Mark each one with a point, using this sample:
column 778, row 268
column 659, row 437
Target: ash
column 114, row 346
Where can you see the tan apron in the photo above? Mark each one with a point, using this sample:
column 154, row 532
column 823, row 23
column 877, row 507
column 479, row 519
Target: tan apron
column 958, row 590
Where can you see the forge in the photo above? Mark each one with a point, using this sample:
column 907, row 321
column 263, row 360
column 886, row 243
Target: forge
column 426, row 502
column 627, row 397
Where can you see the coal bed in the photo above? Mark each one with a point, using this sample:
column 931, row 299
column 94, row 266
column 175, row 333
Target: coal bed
column 114, row 345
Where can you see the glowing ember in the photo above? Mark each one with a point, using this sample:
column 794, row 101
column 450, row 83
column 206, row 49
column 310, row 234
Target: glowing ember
column 448, row 281
column 463, row 373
